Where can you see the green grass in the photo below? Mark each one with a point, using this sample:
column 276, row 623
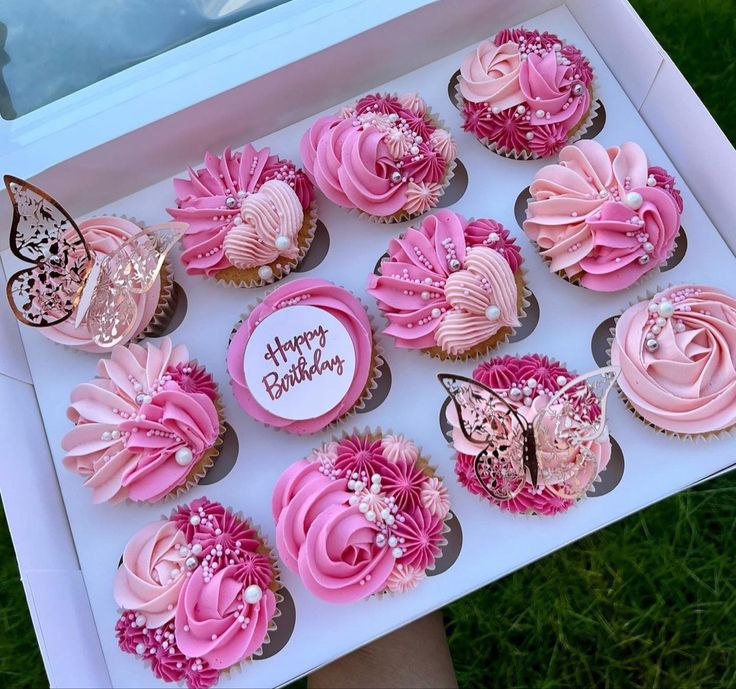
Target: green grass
column 649, row 602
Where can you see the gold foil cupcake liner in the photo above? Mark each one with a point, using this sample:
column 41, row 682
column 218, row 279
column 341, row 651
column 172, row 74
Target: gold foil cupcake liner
column 280, row 267
column 576, row 133
column 377, row 361
column 727, row 432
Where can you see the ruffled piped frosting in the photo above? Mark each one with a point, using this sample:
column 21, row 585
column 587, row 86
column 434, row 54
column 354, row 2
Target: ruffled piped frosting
column 677, row 357
column 449, row 283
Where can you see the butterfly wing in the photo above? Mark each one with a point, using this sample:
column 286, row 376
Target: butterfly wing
column 486, row 419
column 131, row 269
column 574, row 417
column 44, row 234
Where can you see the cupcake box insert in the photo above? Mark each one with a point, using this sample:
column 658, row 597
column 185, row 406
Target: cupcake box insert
column 69, row 551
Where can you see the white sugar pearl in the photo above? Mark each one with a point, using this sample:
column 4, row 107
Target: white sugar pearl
column 183, row 456
column 397, row 552
column 493, row 313
column 666, row 309
column 265, row 272
column 253, row 594
column 140, row 620
column 282, row 242
column 634, row 200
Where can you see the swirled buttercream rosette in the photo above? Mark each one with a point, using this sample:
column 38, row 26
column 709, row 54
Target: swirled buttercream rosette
column 525, row 94
column 198, row 594
column 387, row 157
column 251, row 215
column 603, row 218
column 305, row 357
column 450, row 287
column 677, row 352
column 565, row 470
column 148, row 427
column 363, row 514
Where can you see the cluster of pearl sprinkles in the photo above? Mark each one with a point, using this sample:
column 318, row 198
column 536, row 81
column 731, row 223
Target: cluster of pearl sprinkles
column 660, row 312
column 377, row 507
column 526, row 390
column 184, row 455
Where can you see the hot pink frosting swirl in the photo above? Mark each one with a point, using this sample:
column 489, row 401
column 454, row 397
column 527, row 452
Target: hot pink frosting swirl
column 152, row 573
column 506, row 374
column 440, row 280
column 211, row 199
column 307, row 292
column 104, row 235
column 214, row 622
column 525, row 92
column 370, row 158
column 348, row 518
column 685, row 380
column 119, row 452
column 597, row 215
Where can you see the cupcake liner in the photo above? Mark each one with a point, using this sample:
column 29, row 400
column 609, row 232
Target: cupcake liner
column 377, row 361
column 706, row 436
column 576, row 133
column 501, row 337
column 402, row 215
column 429, row 471
column 248, row 277
column 167, row 302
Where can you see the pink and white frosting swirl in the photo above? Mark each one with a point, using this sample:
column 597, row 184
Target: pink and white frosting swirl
column 677, row 357
column 197, row 594
column 603, row 216
column 143, row 424
column 449, row 283
column 353, row 522
column 306, row 292
column 383, row 156
column 104, row 235
column 251, row 193
column 527, row 384
column 524, row 91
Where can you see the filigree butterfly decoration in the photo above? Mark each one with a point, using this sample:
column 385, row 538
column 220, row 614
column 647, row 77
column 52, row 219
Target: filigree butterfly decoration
column 555, row 446
column 66, row 278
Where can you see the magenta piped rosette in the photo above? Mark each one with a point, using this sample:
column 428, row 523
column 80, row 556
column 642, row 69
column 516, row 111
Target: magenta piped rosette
column 361, row 515
column 197, row 592
column 386, row 156
column 526, row 383
column 603, row 217
column 147, row 427
column 526, row 94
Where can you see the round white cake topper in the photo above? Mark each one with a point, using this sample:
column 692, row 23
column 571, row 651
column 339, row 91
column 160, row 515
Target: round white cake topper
column 299, row 362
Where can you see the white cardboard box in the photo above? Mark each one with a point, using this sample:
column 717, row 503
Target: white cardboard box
column 116, row 145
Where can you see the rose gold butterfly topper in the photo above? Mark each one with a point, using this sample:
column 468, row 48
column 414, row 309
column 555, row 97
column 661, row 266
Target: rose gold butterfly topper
column 66, row 277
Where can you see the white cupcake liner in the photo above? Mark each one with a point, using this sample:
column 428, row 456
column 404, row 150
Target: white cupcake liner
column 280, row 267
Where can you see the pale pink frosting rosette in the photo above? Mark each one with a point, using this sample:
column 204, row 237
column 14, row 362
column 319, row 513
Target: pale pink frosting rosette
column 387, row 157
column 677, row 353
column 525, row 95
column 509, row 376
column 251, row 217
column 451, row 287
column 147, row 427
column 336, row 301
column 104, row 235
column 198, row 592
column 363, row 514
column 601, row 217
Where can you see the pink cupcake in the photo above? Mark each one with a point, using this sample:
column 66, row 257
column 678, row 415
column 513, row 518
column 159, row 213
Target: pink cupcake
column 450, row 287
column 677, row 354
column 303, row 358
column 386, row 156
column 363, row 514
column 513, row 397
column 147, row 427
column 603, row 218
column 198, row 594
column 525, row 95
column 251, row 215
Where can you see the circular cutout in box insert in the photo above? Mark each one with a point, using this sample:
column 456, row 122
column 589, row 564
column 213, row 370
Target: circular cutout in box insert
column 445, row 426
column 178, row 313
column 380, row 392
column 599, row 343
column 529, row 322
column 285, row 623
column 317, row 251
column 225, row 461
column 451, row 551
column 452, row 88
column 607, row 480
column 599, row 121
column 679, row 251
column 458, row 186
column 522, row 200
